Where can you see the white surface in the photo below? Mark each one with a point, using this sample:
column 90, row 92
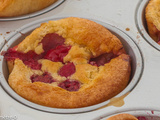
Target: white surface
column 120, row 13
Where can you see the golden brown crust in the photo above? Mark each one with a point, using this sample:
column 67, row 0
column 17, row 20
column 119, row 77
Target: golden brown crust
column 123, row 116
column 102, row 87
column 11, row 8
column 97, row 83
column 152, row 18
column 94, row 37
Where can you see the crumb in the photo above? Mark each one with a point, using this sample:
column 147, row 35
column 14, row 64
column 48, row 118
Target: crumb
column 7, row 32
column 127, row 29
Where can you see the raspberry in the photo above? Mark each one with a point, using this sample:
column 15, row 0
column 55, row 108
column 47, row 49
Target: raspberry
column 70, row 85
column 45, row 77
column 67, row 70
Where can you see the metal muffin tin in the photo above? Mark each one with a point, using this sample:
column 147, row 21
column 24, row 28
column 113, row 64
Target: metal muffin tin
column 142, row 25
column 124, row 18
column 129, row 46
column 27, row 16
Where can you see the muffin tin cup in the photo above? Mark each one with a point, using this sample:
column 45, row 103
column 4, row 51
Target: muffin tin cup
column 144, row 114
column 131, row 48
column 142, row 25
column 40, row 12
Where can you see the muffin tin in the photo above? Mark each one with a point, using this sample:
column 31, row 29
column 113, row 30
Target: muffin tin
column 129, row 46
column 127, row 22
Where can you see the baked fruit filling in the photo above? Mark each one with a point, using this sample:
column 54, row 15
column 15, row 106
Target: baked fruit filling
column 102, row 59
column 54, row 50
column 142, row 118
column 57, row 54
column 69, row 62
column 70, row 85
column 67, row 70
column 45, row 77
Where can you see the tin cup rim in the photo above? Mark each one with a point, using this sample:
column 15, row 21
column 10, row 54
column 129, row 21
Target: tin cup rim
column 135, row 51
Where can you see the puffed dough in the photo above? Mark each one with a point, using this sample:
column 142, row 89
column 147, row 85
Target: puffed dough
column 11, row 8
column 88, row 39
